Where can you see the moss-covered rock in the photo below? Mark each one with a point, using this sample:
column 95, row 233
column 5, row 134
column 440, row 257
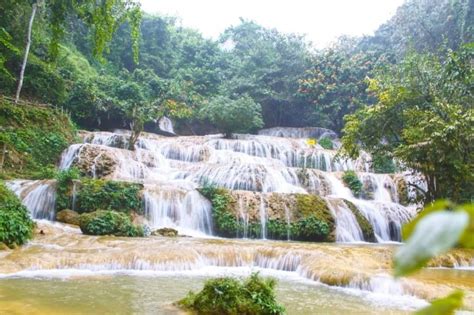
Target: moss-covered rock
column 68, row 216
column 34, row 138
column 313, row 219
column 402, row 190
column 364, row 224
column 96, row 161
column 103, row 222
column 16, row 226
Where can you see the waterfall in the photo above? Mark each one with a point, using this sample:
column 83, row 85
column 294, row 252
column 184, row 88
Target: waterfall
column 185, row 210
column 277, row 160
column 38, row 196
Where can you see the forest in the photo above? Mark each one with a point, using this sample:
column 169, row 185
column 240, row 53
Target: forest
column 272, row 138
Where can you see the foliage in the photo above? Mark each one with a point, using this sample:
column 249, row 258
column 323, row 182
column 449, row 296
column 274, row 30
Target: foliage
column 382, row 163
column 102, row 222
column 326, row 143
column 457, row 228
column 424, row 119
column 34, row 137
column 230, row 296
column 233, row 115
column 95, row 194
column 64, row 184
column 310, row 229
column 16, row 226
column 335, row 83
column 352, row 181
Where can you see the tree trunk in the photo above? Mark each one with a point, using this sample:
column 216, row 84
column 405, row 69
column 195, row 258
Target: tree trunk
column 27, row 51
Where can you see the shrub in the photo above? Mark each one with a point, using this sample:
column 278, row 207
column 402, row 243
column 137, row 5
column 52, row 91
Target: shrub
column 352, row 181
column 233, row 115
column 310, row 229
column 326, row 143
column 104, row 222
column 225, row 296
column 16, row 226
column 64, row 182
column 94, row 194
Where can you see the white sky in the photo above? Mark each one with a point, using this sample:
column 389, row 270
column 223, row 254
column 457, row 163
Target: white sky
column 321, row 20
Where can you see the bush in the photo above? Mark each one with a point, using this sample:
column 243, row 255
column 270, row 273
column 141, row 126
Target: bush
column 104, row 222
column 352, row 181
column 95, row 194
column 326, row 143
column 233, row 115
column 16, row 226
column 310, row 229
column 225, row 296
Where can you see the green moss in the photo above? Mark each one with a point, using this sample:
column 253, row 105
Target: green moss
column 229, row 296
column 34, row 138
column 16, row 226
column 364, row 224
column 104, row 222
column 326, row 143
column 94, row 194
column 352, row 181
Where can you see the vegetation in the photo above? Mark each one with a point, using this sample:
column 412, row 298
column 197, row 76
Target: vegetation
column 16, row 226
column 229, row 296
column 423, row 118
column 364, row 224
column 352, row 181
column 64, row 187
column 103, row 222
column 326, row 143
column 457, row 229
column 25, row 131
column 94, row 194
column 229, row 116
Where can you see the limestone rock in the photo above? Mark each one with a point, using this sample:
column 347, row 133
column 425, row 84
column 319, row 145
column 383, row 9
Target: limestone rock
column 167, row 232
column 68, row 216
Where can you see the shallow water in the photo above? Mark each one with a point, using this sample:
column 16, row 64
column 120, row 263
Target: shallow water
column 134, row 294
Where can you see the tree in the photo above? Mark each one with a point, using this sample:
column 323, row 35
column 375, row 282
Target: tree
column 424, row 117
column 103, row 17
column 233, row 115
column 335, row 83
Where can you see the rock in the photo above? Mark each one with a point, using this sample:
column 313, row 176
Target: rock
column 96, row 161
column 167, row 232
column 68, row 216
column 3, row 246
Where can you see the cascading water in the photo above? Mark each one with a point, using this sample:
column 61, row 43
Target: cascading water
column 38, row 196
column 172, row 168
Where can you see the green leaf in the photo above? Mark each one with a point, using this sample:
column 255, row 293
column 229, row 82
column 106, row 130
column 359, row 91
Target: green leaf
column 408, row 228
column 433, row 235
column 444, row 306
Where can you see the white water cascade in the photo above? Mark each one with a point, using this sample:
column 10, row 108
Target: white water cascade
column 277, row 161
column 38, row 196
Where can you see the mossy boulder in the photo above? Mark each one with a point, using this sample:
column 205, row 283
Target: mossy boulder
column 364, row 224
column 68, row 216
column 16, row 226
column 103, row 222
column 402, row 190
column 313, row 219
column 167, row 232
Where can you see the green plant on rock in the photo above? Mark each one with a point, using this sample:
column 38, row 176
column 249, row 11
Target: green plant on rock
column 103, row 222
column 64, row 183
column 229, row 296
column 352, row 181
column 278, row 229
column 16, row 226
column 326, row 143
column 94, row 194
column 310, row 229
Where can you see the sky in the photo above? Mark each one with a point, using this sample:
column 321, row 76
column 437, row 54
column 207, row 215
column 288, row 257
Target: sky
column 321, row 20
